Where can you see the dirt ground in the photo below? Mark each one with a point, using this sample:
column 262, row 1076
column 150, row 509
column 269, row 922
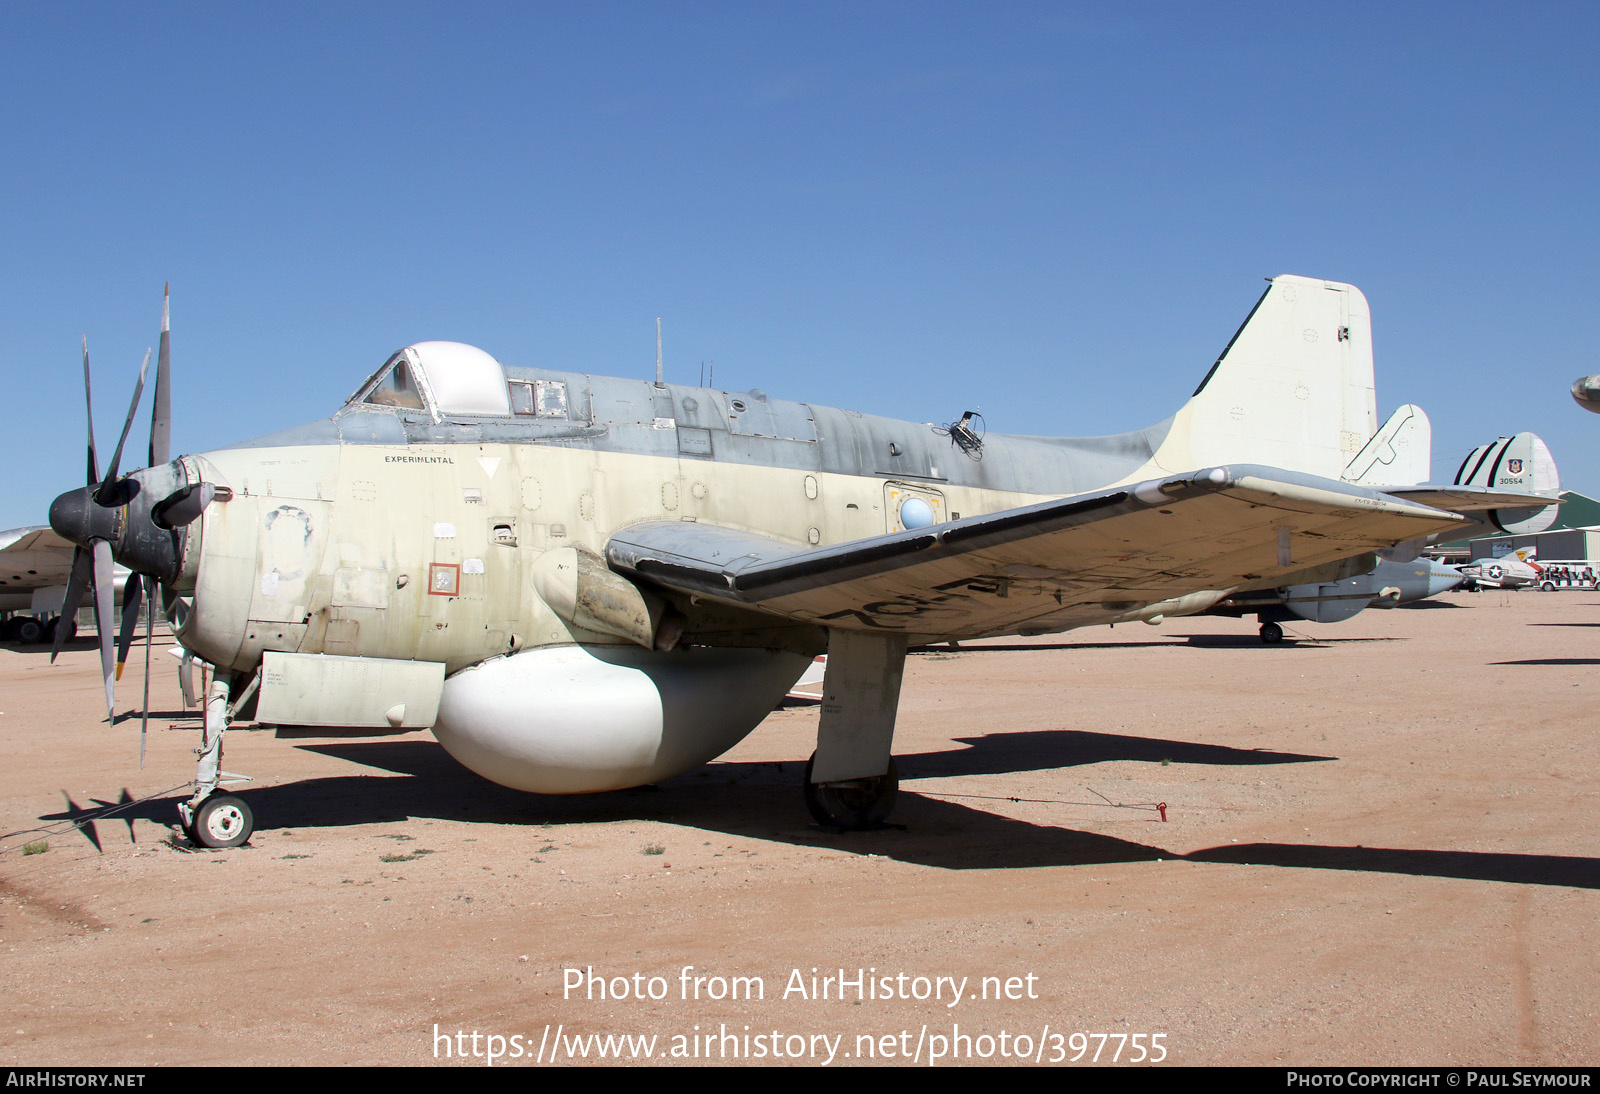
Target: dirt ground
column 1379, row 848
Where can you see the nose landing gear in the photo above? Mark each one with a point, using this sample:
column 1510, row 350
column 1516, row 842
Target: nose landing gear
column 221, row 821
column 211, row 819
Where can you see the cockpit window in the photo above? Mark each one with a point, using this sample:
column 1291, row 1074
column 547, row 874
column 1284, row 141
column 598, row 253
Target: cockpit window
column 398, row 388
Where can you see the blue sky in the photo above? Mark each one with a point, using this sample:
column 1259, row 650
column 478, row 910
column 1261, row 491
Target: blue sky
column 1058, row 212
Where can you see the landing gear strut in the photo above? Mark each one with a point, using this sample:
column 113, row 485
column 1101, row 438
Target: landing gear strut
column 851, row 781
column 211, row 819
column 856, row 803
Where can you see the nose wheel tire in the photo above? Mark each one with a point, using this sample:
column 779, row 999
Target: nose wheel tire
column 1271, row 633
column 222, row 821
column 859, row 803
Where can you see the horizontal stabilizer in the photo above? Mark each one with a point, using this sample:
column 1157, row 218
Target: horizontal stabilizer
column 1469, row 499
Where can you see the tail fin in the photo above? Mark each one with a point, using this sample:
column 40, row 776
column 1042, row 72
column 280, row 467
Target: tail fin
column 1399, row 454
column 1521, row 463
column 1294, row 389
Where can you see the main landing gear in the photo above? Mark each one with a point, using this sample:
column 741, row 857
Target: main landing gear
column 851, row 781
column 855, row 803
column 31, row 630
column 1271, row 633
column 211, row 819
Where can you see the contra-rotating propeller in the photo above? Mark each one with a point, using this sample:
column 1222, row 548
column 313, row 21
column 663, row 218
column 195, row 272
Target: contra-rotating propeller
column 101, row 521
column 92, row 562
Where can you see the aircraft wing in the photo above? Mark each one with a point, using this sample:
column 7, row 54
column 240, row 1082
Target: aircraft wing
column 35, row 538
column 35, row 564
column 31, row 558
column 1046, row 567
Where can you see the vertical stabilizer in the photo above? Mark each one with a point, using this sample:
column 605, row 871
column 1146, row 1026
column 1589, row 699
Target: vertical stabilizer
column 1399, row 454
column 1522, row 464
column 1294, row 389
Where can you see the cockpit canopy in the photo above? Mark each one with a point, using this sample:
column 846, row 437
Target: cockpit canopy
column 439, row 378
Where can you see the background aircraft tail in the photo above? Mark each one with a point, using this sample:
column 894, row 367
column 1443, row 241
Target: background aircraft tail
column 1293, row 389
column 1521, row 463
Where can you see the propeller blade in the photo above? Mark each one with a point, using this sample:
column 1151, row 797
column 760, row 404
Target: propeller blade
column 130, row 619
column 104, row 601
column 149, row 641
column 133, row 408
column 183, row 505
column 88, row 399
column 77, row 581
column 161, row 401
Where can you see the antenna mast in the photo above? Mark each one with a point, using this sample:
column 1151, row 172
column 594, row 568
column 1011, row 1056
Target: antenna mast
column 659, row 381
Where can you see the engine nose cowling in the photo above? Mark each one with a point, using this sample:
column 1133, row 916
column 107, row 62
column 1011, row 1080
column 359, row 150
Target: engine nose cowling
column 578, row 720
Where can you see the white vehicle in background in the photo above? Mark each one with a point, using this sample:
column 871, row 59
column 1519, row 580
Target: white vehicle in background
column 1578, row 573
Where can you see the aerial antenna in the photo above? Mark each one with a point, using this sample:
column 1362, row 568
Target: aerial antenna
column 659, row 381
column 964, row 434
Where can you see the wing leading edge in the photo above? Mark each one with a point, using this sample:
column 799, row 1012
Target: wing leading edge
column 1166, row 546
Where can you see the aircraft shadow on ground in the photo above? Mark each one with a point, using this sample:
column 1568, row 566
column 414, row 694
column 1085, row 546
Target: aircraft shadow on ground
column 71, row 645
column 758, row 800
column 88, row 819
column 1577, row 873
column 762, row 801
column 1042, row 750
column 1176, row 641
column 1568, row 661
column 88, row 644
column 197, row 716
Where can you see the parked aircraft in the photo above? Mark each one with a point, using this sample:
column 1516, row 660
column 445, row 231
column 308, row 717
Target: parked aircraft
column 1586, row 392
column 34, row 563
column 34, row 566
column 1518, row 463
column 1511, row 571
column 1388, row 585
column 584, row 583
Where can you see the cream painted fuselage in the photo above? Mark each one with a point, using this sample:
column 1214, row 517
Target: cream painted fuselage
column 403, row 536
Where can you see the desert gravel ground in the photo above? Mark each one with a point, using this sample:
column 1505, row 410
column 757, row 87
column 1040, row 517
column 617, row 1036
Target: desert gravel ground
column 1380, row 847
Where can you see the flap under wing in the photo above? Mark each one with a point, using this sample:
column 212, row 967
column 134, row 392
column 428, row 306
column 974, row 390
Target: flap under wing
column 1040, row 568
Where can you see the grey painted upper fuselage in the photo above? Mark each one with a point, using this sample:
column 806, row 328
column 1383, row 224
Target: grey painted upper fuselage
column 616, row 415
